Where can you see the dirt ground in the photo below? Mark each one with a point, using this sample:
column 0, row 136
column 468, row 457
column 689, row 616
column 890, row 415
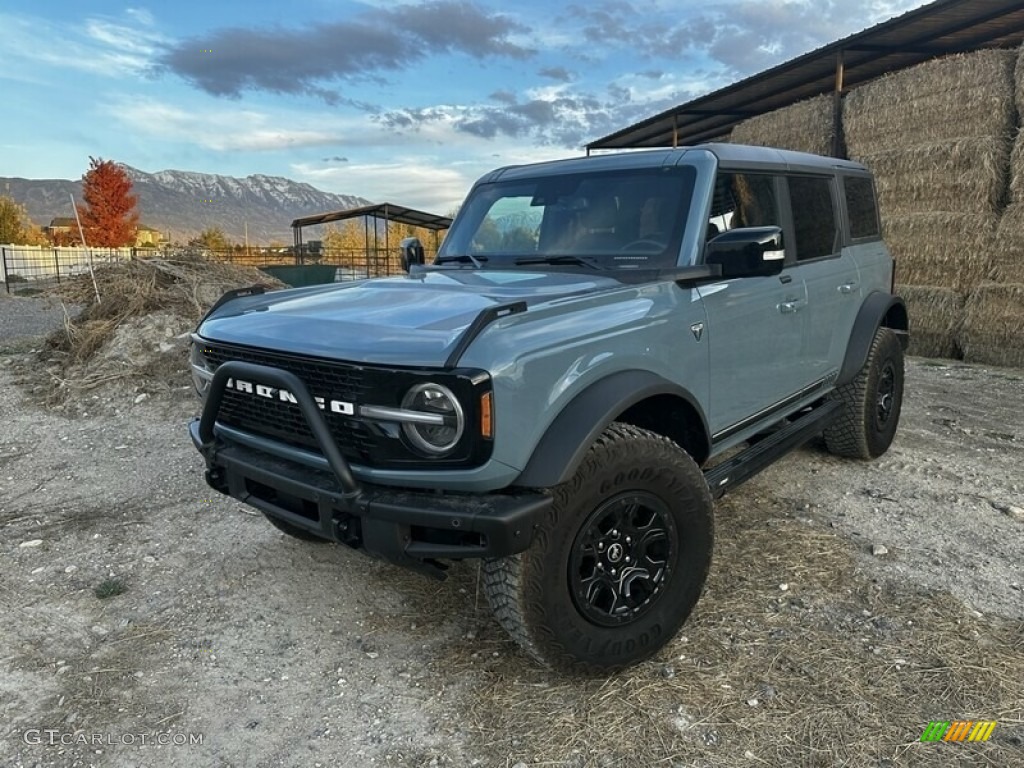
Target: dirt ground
column 849, row 605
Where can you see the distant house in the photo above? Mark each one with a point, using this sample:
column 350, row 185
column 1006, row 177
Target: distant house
column 147, row 236
column 61, row 228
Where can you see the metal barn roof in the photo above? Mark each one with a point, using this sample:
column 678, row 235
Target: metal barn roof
column 388, row 211
column 937, row 29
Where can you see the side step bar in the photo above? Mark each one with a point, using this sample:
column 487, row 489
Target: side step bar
column 744, row 465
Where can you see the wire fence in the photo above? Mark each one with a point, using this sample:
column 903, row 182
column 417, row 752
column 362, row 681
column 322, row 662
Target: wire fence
column 30, row 269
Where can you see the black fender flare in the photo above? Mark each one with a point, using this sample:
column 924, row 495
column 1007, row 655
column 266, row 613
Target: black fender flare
column 878, row 310
column 568, row 438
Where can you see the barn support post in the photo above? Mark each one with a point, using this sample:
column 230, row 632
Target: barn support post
column 838, row 148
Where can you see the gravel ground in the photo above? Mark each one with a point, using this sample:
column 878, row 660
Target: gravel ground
column 274, row 652
column 23, row 318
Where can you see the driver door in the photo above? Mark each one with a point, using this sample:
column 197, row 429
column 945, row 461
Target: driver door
column 754, row 325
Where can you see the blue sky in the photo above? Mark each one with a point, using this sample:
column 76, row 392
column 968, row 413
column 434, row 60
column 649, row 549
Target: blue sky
column 407, row 102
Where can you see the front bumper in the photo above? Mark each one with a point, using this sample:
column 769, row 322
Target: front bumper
column 413, row 529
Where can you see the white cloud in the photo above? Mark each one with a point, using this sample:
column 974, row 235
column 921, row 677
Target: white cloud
column 418, row 182
column 99, row 45
column 141, row 15
column 225, row 129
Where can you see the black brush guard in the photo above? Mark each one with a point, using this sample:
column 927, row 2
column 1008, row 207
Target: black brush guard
column 412, row 528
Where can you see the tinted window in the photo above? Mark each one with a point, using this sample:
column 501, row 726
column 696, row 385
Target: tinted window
column 860, row 206
column 814, row 218
column 616, row 219
column 743, row 200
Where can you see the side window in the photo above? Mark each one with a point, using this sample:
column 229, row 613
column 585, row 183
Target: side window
column 860, row 207
column 814, row 217
column 743, row 200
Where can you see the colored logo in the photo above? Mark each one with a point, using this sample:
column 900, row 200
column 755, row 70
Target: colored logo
column 959, row 730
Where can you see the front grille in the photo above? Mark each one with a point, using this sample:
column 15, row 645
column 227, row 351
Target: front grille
column 361, row 441
column 283, row 420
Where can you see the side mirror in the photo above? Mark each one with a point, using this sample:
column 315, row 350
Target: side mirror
column 412, row 252
column 747, row 252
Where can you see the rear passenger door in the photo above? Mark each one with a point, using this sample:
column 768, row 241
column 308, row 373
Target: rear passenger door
column 831, row 278
column 754, row 324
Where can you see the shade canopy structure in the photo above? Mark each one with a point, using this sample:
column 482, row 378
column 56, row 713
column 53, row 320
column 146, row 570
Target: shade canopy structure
column 940, row 28
column 387, row 211
column 379, row 212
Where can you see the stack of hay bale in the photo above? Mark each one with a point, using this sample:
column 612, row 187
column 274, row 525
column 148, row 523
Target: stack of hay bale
column 806, row 126
column 993, row 329
column 938, row 137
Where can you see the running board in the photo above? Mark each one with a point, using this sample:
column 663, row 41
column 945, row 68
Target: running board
column 743, row 466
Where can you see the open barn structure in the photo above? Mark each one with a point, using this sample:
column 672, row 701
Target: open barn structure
column 380, row 245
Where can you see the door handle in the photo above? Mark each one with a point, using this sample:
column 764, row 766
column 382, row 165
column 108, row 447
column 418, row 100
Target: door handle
column 847, row 287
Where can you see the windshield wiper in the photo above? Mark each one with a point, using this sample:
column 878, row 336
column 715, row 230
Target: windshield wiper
column 556, row 260
column 464, row 258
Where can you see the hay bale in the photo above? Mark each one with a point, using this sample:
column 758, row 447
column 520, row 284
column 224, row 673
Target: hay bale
column 967, row 175
column 1008, row 258
column 944, row 250
column 1019, row 80
column 936, row 315
column 806, row 126
column 993, row 329
column 949, row 98
column 1017, row 169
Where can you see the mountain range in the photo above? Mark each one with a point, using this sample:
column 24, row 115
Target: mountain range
column 183, row 203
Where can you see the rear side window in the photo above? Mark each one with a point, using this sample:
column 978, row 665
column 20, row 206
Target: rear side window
column 814, row 217
column 860, row 206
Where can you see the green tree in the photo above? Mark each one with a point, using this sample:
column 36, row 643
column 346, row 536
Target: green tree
column 15, row 227
column 212, row 238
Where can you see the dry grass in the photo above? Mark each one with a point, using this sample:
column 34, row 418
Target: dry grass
column 804, row 127
column 145, row 304
column 944, row 250
column 936, row 315
column 966, row 175
column 834, row 670
column 966, row 95
column 993, row 330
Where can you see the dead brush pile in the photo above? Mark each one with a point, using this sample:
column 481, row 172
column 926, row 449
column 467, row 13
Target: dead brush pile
column 136, row 335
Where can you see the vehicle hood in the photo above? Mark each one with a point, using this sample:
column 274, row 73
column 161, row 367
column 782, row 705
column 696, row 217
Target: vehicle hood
column 413, row 320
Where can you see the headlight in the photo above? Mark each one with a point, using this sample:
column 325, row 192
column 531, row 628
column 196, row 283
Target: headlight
column 434, row 439
column 202, row 371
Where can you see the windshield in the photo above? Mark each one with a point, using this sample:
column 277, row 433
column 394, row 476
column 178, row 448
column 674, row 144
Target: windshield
column 626, row 219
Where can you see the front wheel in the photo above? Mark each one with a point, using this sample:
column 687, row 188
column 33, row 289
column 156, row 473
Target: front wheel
column 873, row 400
column 618, row 563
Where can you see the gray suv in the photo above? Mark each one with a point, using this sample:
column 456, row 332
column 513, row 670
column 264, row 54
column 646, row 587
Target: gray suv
column 602, row 346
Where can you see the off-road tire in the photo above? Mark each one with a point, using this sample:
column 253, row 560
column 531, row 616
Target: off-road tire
column 873, row 400
column 294, row 531
column 629, row 475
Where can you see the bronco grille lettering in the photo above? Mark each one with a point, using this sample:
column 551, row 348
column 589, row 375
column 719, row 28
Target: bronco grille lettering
column 284, row 396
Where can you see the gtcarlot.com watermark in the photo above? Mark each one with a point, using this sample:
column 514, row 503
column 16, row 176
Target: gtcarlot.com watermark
column 55, row 738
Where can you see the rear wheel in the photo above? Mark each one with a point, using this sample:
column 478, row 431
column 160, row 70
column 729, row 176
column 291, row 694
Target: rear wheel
column 618, row 563
column 873, row 400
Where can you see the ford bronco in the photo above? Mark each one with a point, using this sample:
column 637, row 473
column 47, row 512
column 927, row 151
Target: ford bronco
column 601, row 347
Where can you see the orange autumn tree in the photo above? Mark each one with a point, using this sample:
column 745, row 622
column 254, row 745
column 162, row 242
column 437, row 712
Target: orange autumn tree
column 109, row 216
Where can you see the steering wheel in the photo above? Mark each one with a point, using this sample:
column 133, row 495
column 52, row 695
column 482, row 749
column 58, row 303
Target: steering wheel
column 643, row 244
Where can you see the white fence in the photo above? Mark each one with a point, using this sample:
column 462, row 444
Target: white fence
column 24, row 266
